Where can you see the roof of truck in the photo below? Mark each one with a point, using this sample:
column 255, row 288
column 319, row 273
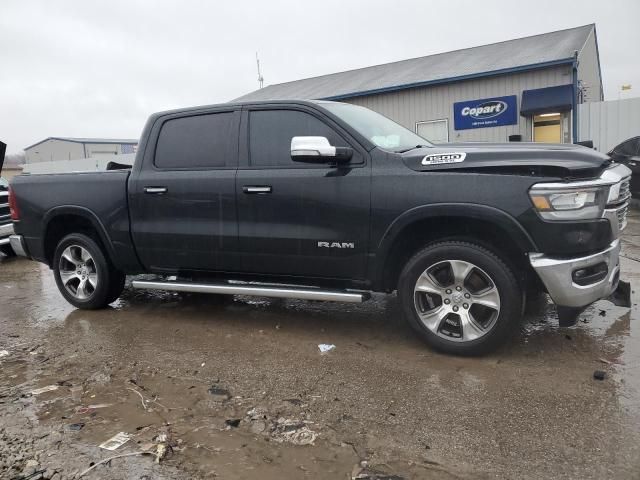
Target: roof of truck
column 239, row 103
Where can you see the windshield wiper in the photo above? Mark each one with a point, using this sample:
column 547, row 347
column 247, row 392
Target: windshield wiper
column 412, row 148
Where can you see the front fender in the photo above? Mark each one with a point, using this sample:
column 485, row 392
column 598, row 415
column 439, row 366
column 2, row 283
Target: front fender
column 491, row 215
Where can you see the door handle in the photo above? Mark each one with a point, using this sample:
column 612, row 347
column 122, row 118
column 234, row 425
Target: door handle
column 155, row 190
column 256, row 189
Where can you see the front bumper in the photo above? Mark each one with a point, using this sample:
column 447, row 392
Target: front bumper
column 557, row 276
column 5, row 232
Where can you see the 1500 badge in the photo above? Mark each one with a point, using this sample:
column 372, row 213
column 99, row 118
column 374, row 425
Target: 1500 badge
column 439, row 158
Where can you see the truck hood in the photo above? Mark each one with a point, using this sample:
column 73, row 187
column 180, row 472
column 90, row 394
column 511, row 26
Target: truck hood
column 556, row 160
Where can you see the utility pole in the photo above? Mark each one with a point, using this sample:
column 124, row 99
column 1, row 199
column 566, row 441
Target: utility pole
column 260, row 77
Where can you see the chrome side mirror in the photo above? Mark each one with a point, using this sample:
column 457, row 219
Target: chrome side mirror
column 318, row 150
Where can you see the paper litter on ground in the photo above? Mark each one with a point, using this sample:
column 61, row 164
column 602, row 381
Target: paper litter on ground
column 116, row 441
column 324, row 348
column 48, row 388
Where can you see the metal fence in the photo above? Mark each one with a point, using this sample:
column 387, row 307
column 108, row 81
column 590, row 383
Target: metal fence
column 609, row 123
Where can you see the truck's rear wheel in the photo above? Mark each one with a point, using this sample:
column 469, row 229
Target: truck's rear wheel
column 461, row 297
column 83, row 274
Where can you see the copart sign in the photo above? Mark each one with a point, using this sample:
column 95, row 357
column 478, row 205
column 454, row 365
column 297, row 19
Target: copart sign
column 486, row 112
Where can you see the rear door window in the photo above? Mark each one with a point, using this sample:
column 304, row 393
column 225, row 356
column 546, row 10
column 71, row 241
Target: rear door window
column 198, row 142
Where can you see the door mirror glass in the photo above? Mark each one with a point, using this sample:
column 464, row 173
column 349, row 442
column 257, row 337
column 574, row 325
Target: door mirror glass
column 318, row 150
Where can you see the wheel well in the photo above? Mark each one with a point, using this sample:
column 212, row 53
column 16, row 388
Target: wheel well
column 419, row 234
column 63, row 225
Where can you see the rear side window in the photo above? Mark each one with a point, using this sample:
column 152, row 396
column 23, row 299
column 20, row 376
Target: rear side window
column 271, row 131
column 202, row 141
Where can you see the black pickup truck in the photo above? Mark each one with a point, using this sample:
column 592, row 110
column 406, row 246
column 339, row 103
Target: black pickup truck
column 330, row 201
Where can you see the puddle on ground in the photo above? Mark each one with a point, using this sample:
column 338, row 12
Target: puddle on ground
column 380, row 396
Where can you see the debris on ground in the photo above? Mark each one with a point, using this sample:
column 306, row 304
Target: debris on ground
column 116, row 441
column 325, row 347
column 4, row 353
column 161, row 452
column 164, row 445
column 76, row 426
column 142, row 399
column 219, row 394
column 281, row 430
column 362, row 471
column 599, row 375
column 232, row 422
column 48, row 388
column 603, row 313
column 293, row 431
column 605, row 361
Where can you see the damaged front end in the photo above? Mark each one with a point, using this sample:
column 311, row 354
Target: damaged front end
column 576, row 282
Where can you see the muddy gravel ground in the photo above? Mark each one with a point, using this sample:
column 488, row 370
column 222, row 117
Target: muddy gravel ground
column 236, row 388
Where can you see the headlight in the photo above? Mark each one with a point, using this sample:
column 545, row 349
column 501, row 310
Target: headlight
column 568, row 203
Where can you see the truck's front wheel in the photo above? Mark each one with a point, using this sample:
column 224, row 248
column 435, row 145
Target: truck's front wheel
column 461, row 297
column 83, row 274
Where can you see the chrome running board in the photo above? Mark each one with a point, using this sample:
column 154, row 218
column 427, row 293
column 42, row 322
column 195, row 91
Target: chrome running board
column 255, row 290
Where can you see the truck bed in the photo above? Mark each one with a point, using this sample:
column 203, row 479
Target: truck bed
column 102, row 197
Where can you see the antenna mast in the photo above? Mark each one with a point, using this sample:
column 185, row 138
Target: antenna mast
column 260, row 77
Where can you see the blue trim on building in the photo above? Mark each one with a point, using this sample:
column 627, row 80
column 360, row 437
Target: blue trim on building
column 471, row 76
column 574, row 114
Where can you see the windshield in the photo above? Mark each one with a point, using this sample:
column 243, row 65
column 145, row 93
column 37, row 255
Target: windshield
column 383, row 132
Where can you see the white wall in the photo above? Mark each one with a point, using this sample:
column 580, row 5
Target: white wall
column 57, row 150
column 83, row 165
column 96, row 149
column 609, row 123
column 52, row 150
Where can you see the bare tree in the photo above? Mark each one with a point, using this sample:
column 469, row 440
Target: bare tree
column 14, row 159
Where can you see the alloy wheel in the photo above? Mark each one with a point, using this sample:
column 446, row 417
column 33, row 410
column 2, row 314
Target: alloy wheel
column 78, row 272
column 457, row 300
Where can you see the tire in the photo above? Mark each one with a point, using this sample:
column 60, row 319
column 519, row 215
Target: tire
column 116, row 287
column 7, row 251
column 85, row 278
column 460, row 297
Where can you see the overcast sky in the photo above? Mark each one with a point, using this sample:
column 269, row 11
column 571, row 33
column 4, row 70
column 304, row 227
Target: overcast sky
column 99, row 68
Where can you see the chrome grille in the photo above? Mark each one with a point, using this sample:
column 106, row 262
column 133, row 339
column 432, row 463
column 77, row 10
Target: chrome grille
column 624, row 198
column 5, row 216
column 621, row 213
column 625, row 188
